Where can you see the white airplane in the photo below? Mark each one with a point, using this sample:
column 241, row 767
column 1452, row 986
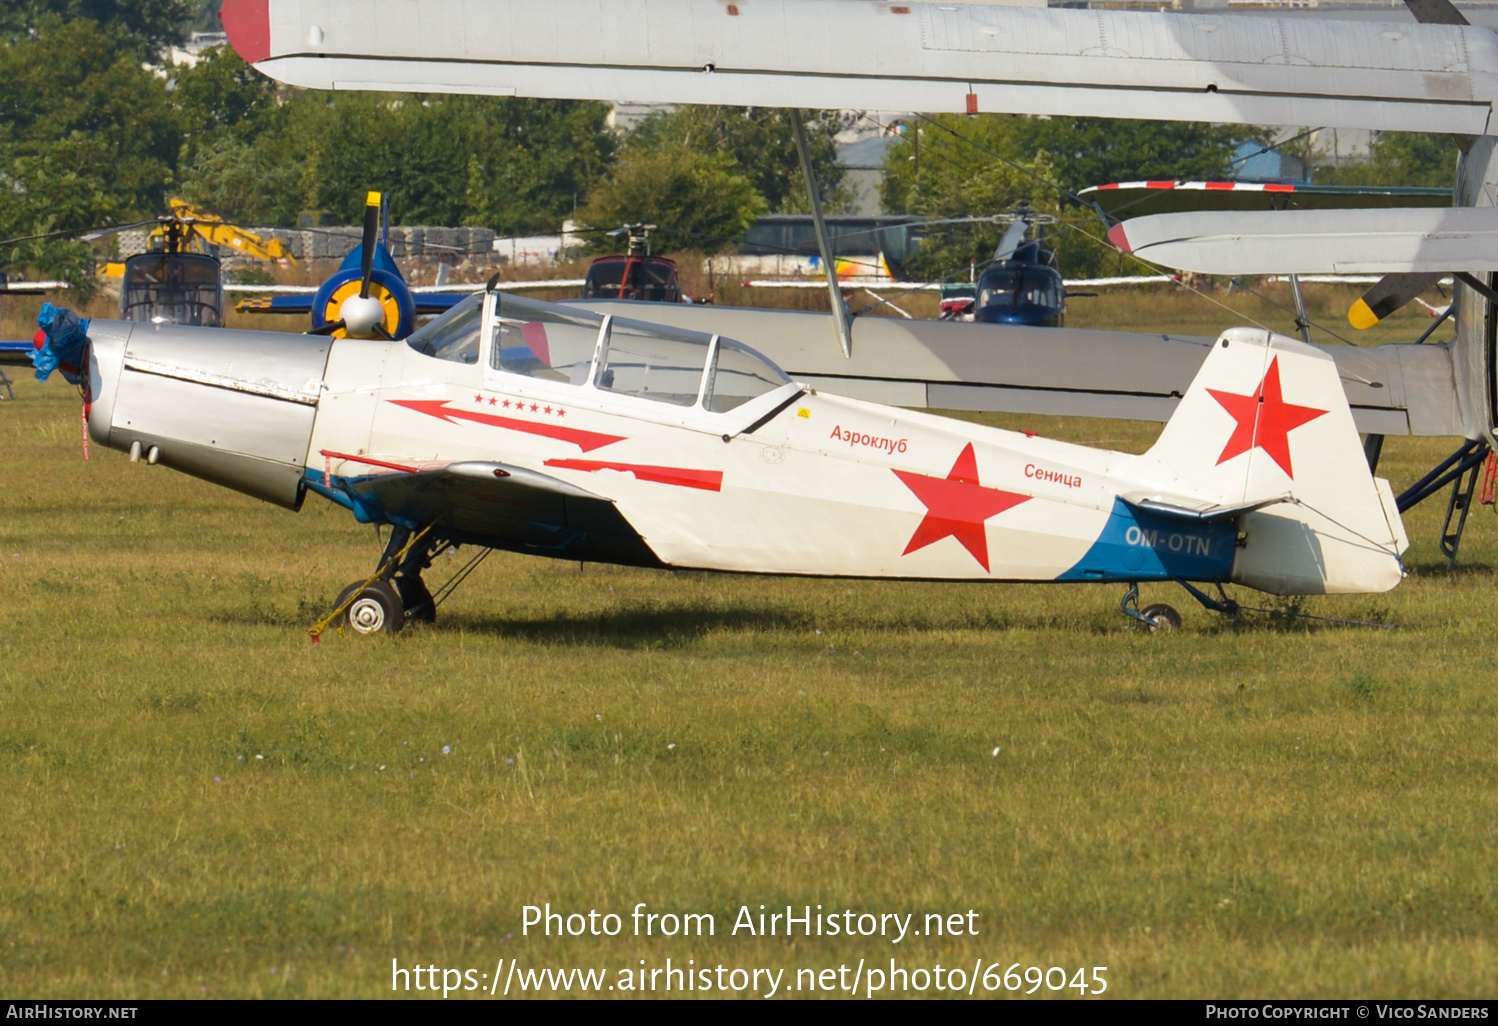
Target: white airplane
column 514, row 424
column 1435, row 73
column 586, row 435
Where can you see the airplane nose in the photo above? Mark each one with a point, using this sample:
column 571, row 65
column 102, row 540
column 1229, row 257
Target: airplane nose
column 360, row 314
column 232, row 407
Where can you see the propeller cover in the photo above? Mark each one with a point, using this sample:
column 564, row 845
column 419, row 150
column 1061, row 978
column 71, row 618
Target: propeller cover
column 384, row 287
column 360, row 314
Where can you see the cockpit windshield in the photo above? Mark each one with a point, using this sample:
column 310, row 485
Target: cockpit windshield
column 172, row 288
column 1004, row 289
column 454, row 335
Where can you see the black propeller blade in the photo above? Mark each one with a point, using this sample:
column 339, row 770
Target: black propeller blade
column 1388, row 294
column 371, row 236
column 1436, row 12
column 372, row 207
column 1393, row 291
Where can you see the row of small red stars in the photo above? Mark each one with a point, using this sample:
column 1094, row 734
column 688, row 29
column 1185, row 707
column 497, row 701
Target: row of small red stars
column 533, row 407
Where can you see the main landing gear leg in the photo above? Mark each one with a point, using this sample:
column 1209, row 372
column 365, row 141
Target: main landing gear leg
column 384, row 604
column 1157, row 617
column 414, row 593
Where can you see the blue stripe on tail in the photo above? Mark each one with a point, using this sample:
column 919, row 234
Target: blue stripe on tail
column 1136, row 546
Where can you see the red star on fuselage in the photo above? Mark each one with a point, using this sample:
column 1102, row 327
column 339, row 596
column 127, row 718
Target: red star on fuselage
column 1264, row 419
column 957, row 506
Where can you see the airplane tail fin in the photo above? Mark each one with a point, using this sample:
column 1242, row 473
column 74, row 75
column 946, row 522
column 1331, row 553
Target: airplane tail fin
column 1265, row 432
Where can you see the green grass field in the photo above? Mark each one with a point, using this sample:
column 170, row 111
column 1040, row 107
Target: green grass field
column 197, row 801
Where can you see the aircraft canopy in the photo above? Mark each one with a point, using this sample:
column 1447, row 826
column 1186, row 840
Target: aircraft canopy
column 578, row 347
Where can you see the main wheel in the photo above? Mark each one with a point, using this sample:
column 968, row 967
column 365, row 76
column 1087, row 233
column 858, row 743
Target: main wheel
column 376, row 610
column 416, row 599
column 1161, row 617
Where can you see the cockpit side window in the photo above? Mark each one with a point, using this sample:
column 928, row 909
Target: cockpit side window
column 650, row 362
column 1040, row 288
column 454, row 335
column 539, row 340
column 739, row 374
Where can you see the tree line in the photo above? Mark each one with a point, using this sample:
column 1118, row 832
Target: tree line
column 98, row 128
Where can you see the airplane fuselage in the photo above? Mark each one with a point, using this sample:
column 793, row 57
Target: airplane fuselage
column 598, row 438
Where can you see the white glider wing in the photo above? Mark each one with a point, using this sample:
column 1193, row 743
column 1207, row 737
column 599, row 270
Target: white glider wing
column 892, row 56
column 1400, row 240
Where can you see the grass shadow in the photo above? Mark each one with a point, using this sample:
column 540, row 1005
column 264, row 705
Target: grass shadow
column 1436, row 568
column 663, row 626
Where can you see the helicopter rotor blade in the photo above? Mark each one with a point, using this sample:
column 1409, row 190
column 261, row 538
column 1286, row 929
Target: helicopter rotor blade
column 1011, row 240
column 86, row 234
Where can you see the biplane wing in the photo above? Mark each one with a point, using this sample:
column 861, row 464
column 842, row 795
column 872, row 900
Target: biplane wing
column 1168, row 196
column 918, row 56
column 1397, row 240
column 945, row 365
column 301, row 301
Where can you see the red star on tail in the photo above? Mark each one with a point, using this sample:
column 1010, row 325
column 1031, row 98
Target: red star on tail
column 1264, row 419
column 957, row 506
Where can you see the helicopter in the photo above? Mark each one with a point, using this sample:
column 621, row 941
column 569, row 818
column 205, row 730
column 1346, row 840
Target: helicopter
column 635, row 273
column 179, row 279
column 1022, row 285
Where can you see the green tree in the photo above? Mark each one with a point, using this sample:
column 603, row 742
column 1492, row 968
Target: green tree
column 222, row 94
column 760, row 143
column 87, row 137
column 700, row 193
column 515, row 165
column 1398, row 158
column 204, row 16
column 232, row 176
column 146, row 26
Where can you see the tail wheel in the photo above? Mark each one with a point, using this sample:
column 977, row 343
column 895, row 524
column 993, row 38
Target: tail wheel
column 376, row 609
column 1161, row 617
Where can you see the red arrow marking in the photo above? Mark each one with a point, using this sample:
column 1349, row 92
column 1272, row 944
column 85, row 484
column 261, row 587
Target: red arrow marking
column 584, row 440
column 683, row 477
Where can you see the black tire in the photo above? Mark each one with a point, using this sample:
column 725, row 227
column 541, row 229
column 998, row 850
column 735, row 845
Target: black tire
column 1161, row 617
column 376, row 610
column 417, row 599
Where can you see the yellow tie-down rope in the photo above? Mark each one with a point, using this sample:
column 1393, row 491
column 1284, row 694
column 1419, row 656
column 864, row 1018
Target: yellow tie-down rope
column 317, row 629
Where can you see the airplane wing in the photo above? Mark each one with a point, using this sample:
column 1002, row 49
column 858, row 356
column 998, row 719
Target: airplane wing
column 301, row 303
column 1401, row 239
column 947, row 365
column 494, row 504
column 931, row 57
column 18, row 351
column 1136, row 199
